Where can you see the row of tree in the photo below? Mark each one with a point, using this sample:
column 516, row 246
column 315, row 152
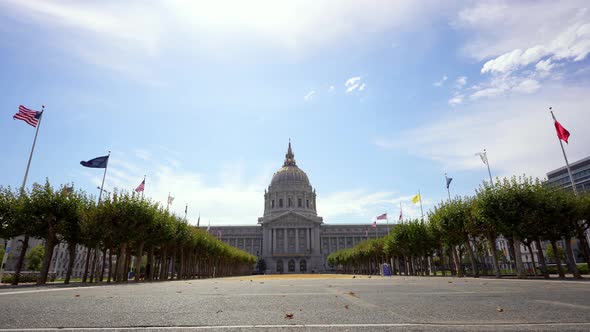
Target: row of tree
column 524, row 211
column 122, row 226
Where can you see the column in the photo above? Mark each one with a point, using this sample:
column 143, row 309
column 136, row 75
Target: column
column 296, row 239
column 284, row 240
column 308, row 236
column 274, row 240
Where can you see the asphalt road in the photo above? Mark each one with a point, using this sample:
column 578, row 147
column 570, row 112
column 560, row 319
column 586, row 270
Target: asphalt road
column 336, row 303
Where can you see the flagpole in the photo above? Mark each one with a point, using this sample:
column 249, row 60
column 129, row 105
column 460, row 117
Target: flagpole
column 103, row 177
column 22, row 189
column 421, row 210
column 567, row 165
column 488, row 165
column 33, row 148
column 185, row 211
column 401, row 212
column 143, row 187
column 168, row 202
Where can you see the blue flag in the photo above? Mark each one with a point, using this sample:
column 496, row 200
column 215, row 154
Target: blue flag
column 98, row 162
column 448, row 181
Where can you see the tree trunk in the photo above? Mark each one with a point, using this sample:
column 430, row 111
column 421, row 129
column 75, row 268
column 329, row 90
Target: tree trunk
column 138, row 258
column 458, row 268
column 86, row 264
column 93, row 268
column 442, row 261
column 104, row 263
column 149, row 267
column 571, row 261
column 471, row 257
column 584, row 245
column 121, row 258
column 109, row 275
column 541, row 257
column 50, row 244
column 71, row 259
column 494, row 249
column 21, row 260
column 163, row 259
column 520, row 272
column 557, row 259
column 530, row 248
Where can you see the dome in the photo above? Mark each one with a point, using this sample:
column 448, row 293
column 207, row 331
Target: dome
column 289, row 176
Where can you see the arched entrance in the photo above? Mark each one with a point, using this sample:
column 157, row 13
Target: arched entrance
column 292, row 265
column 303, row 265
column 280, row 266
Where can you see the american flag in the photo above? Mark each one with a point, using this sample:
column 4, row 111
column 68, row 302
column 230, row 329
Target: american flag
column 374, row 225
column 141, row 186
column 29, row 116
column 382, row 217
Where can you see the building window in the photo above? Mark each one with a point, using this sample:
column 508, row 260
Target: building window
column 307, row 203
column 291, row 265
column 302, row 265
column 299, row 202
column 290, row 202
column 272, row 204
column 280, row 202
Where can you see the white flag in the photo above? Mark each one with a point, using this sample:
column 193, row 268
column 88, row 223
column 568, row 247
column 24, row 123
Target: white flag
column 483, row 157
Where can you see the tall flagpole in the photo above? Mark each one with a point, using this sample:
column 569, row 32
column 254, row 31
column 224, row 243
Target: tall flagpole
column 488, row 164
column 421, row 210
column 168, row 202
column 567, row 164
column 22, row 189
column 143, row 187
column 33, row 148
column 401, row 213
column 103, row 177
column 185, row 211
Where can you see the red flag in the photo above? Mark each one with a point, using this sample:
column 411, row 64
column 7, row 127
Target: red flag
column 400, row 216
column 382, row 217
column 562, row 133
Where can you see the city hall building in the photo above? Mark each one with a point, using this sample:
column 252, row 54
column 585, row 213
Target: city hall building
column 290, row 236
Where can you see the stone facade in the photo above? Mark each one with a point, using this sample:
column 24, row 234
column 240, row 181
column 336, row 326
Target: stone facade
column 290, row 236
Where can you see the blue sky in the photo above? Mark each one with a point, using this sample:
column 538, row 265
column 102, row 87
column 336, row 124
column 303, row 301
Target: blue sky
column 379, row 98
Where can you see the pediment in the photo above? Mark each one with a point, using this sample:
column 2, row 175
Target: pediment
column 292, row 218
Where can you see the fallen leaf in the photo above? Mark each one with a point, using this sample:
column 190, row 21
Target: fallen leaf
column 346, row 306
column 77, row 295
column 353, row 277
column 352, row 294
column 498, row 309
column 450, row 282
column 288, row 316
column 218, row 311
column 178, row 292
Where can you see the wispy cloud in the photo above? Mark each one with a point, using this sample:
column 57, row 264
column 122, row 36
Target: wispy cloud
column 518, row 133
column 354, row 84
column 309, row 96
column 441, row 81
column 456, row 99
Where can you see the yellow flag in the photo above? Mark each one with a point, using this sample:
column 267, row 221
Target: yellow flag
column 416, row 199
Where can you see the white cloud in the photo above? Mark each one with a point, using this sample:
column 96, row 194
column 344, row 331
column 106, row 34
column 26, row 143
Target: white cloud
column 456, row 99
column 331, row 88
column 461, row 81
column 505, row 84
column 364, row 206
column 309, row 95
column 441, row 82
column 517, row 132
column 119, row 35
column 354, row 84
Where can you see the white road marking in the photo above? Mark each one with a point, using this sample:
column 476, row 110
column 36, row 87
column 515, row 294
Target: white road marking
column 563, row 304
column 305, row 326
column 46, row 290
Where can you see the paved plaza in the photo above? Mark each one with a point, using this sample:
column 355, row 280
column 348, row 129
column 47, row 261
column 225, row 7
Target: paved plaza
column 304, row 302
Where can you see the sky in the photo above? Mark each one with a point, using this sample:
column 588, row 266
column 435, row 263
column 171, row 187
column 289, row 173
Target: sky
column 379, row 98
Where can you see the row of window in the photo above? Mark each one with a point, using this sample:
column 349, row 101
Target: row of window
column 290, row 203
